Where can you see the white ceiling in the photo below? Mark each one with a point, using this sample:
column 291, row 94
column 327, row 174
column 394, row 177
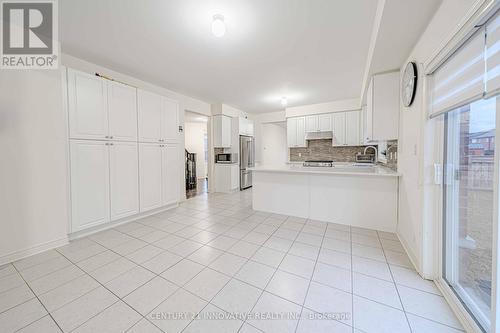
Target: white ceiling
column 311, row 51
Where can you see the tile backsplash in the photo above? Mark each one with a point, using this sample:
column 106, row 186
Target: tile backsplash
column 323, row 150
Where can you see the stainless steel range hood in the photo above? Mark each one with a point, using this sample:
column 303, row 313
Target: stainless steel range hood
column 319, row 135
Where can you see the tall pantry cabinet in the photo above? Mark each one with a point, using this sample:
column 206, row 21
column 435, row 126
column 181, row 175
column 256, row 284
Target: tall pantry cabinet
column 109, row 124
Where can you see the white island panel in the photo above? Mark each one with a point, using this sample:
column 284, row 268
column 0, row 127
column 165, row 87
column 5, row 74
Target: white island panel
column 281, row 193
column 367, row 202
column 361, row 197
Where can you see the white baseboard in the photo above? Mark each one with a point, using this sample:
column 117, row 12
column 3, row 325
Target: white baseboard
column 411, row 255
column 16, row 255
column 456, row 306
column 106, row 226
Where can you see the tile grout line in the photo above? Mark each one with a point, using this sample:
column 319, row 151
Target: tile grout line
column 396, row 287
column 45, row 308
column 274, row 273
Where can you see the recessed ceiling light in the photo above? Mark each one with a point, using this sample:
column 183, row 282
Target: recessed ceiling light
column 218, row 26
column 284, row 101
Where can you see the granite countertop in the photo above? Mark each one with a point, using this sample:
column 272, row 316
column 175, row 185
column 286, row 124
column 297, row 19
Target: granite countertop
column 337, row 169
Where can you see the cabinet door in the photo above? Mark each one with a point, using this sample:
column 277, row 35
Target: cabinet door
column 122, row 102
column 170, row 174
column 338, row 121
column 124, row 179
column 235, row 176
column 150, row 112
column 325, row 122
column 301, row 132
column 312, row 124
column 368, row 119
column 150, row 176
column 352, row 128
column 88, row 115
column 291, row 132
column 226, row 132
column 89, row 183
column 170, row 122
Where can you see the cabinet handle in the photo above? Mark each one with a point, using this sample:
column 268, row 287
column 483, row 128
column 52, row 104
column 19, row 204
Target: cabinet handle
column 111, row 144
column 106, row 137
column 111, row 137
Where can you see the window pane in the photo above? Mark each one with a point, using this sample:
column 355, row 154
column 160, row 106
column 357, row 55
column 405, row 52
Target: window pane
column 469, row 169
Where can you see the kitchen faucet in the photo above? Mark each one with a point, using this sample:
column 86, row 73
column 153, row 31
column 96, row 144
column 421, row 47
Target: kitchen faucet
column 374, row 149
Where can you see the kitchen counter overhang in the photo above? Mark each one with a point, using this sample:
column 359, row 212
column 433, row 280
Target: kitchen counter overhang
column 355, row 196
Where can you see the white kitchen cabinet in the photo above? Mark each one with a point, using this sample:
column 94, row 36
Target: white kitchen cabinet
column 87, row 105
column 382, row 108
column 170, row 121
column 221, row 125
column 122, row 109
column 319, row 123
column 170, row 174
column 339, row 129
column 325, row 122
column 245, row 127
column 90, row 204
column 296, row 132
column 312, row 124
column 226, row 177
column 124, row 179
column 352, row 128
column 101, row 109
column 158, row 118
column 150, row 176
column 150, row 111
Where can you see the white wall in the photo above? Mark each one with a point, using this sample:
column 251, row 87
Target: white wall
column 274, row 145
column 259, row 120
column 413, row 144
column 195, row 143
column 33, row 179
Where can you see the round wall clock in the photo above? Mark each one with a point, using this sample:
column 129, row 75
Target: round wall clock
column 409, row 84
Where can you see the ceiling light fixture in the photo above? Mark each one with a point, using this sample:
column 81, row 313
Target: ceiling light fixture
column 284, row 101
column 218, row 26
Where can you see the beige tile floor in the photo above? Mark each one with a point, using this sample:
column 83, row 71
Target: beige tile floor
column 215, row 265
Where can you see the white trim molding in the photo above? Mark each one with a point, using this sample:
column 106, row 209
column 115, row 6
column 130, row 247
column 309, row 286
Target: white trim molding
column 21, row 254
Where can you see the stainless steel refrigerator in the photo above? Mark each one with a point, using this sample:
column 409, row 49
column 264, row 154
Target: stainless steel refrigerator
column 247, row 160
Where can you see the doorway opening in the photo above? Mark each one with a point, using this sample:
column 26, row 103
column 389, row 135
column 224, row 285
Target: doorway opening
column 196, row 149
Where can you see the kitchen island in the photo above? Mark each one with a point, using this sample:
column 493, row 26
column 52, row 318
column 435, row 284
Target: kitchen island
column 361, row 196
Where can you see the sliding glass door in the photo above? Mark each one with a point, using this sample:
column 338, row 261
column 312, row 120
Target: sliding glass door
column 469, row 205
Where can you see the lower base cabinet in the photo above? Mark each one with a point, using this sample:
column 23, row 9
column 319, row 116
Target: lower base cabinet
column 159, row 174
column 113, row 180
column 89, row 183
column 124, row 179
column 226, row 177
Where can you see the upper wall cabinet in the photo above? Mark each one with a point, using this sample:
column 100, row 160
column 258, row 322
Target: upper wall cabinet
column 382, row 108
column 319, row 123
column 353, row 128
column 87, row 104
column 245, row 127
column 221, row 125
column 158, row 117
column 122, row 106
column 296, row 132
column 339, row 129
column 101, row 109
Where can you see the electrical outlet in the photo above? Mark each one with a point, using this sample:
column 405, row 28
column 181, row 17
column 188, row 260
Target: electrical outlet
column 300, row 154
